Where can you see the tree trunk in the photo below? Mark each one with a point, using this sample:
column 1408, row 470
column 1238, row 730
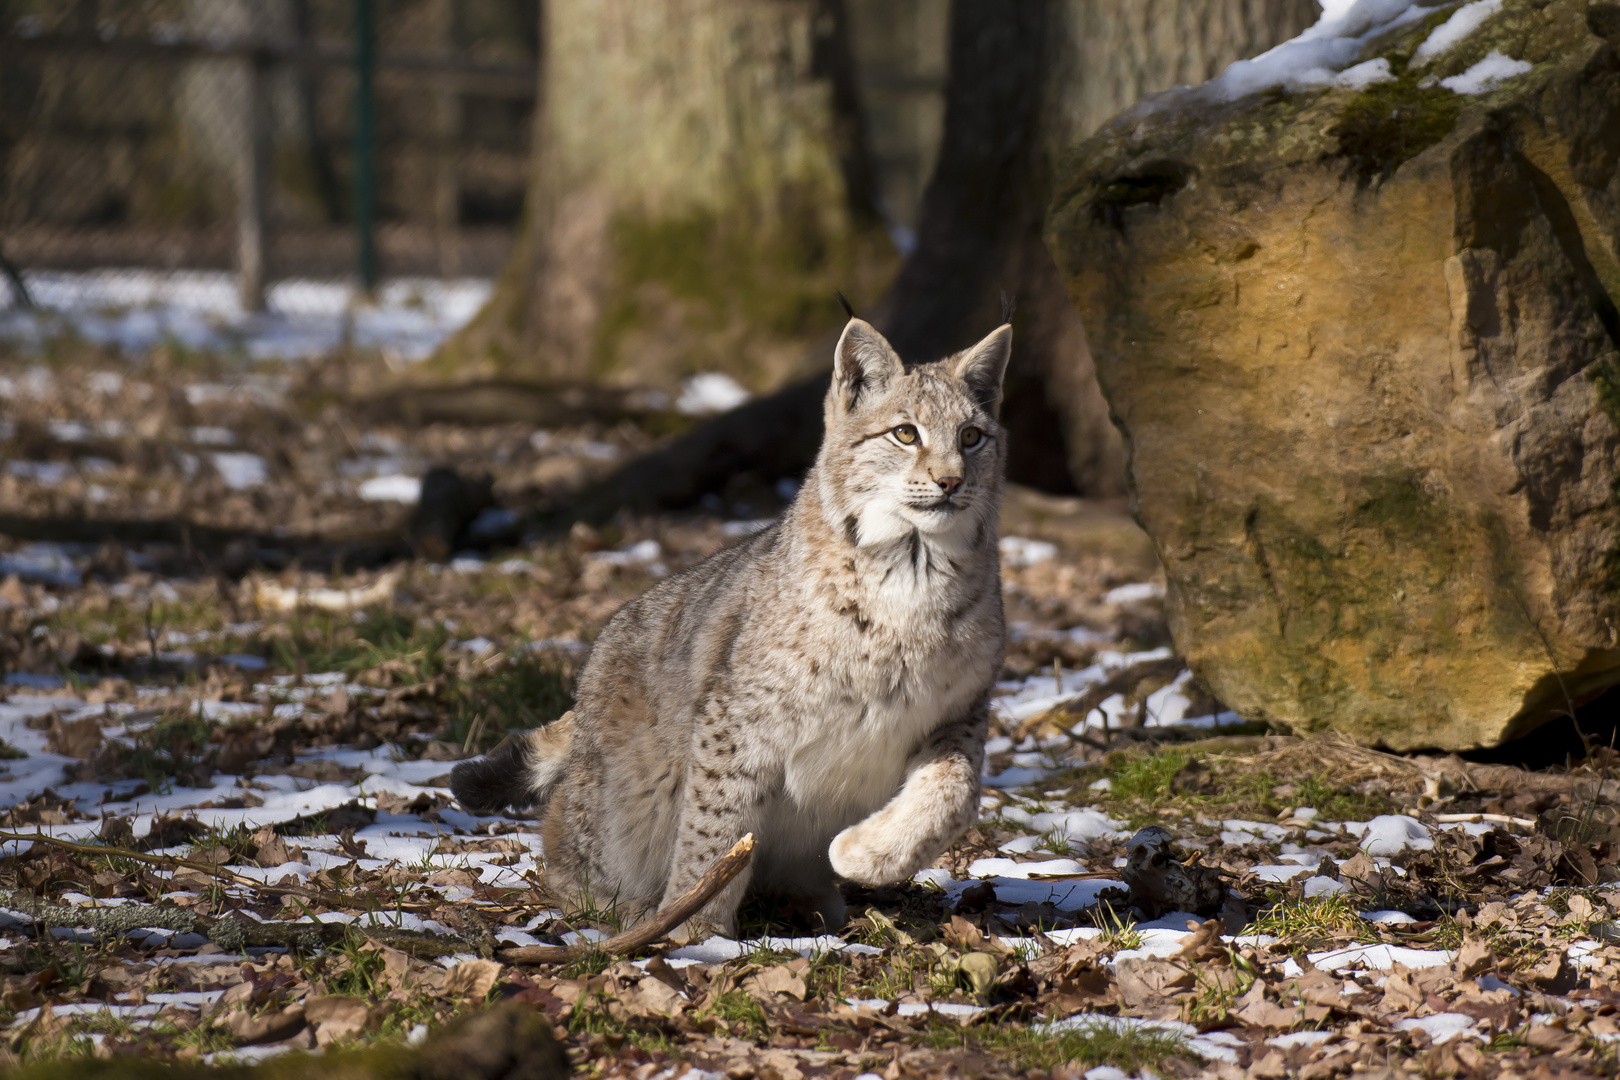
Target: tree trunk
column 1027, row 80
column 700, row 189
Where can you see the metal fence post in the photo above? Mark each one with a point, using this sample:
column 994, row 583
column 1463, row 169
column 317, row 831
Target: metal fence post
column 365, row 176
column 253, row 183
column 446, row 122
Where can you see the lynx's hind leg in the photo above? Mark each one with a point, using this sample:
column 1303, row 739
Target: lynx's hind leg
column 939, row 799
column 519, row 773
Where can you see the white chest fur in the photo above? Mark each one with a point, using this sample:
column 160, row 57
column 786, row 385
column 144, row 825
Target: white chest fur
column 895, row 679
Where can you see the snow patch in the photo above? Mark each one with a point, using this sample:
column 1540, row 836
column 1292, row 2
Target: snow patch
column 240, row 471
column 643, row 553
column 1391, row 834
column 1135, row 593
column 1442, row 1027
column 1007, row 868
column 1020, row 552
column 135, row 310
column 1300, row 1038
column 710, row 392
column 1463, row 22
column 46, row 563
column 1486, row 75
column 1364, row 75
column 1379, row 958
column 1317, row 57
column 396, row 487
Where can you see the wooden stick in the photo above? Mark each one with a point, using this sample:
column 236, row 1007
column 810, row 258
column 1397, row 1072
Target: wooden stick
column 169, row 862
column 643, row 934
column 1495, row 819
column 164, row 861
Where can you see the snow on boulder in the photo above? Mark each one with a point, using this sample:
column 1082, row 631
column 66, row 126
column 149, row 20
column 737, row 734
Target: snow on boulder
column 1354, row 311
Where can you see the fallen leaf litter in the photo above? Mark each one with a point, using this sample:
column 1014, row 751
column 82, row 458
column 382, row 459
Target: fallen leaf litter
column 250, row 758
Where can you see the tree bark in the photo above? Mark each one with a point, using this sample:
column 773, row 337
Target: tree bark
column 700, row 189
column 1027, row 80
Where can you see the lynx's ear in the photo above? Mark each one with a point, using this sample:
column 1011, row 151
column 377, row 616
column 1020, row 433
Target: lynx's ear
column 983, row 366
column 863, row 364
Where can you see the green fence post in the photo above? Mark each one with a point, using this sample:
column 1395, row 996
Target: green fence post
column 365, row 143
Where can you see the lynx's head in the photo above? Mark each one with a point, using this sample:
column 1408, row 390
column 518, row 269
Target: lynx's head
column 912, row 452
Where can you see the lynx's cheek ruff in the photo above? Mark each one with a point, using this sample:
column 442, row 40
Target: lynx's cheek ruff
column 823, row 685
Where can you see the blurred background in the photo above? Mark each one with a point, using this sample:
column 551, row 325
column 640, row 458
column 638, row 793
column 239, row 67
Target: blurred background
column 619, row 225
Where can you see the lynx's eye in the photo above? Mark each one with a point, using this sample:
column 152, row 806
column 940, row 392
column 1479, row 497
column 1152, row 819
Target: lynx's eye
column 905, row 433
column 971, row 437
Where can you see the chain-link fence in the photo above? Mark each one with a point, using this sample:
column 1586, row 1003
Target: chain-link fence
column 270, row 138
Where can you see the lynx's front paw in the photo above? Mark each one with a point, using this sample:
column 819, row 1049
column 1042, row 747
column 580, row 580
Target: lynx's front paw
column 870, row 854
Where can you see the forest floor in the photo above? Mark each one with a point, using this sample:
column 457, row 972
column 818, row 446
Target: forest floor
column 227, row 836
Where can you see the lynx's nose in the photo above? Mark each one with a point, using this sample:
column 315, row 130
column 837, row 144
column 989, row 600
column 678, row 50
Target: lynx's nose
column 949, row 484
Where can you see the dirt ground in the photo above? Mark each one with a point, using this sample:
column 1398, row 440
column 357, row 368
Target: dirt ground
column 239, row 668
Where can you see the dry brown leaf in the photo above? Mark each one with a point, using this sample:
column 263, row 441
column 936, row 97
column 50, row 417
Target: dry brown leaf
column 75, row 738
column 651, row 997
column 1147, row 981
column 271, row 850
column 1400, row 996
column 1253, row 1009
column 1273, row 1066
column 777, row 980
column 1473, row 958
column 336, row 1016
column 465, row 878
column 472, row 978
column 267, row 1027
column 1359, row 868
column 1203, row 944
column 396, row 964
column 963, row 934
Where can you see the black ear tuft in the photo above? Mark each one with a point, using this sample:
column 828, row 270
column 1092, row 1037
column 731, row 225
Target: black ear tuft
column 863, row 364
column 847, row 309
column 983, row 366
column 490, row 784
column 1008, row 306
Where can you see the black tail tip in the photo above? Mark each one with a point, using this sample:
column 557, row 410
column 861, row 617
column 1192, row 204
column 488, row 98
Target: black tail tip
column 494, row 782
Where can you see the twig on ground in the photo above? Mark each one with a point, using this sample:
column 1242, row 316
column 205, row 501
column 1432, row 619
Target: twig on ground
column 1495, row 819
column 654, row 929
column 234, row 933
column 1126, row 680
column 338, row 901
column 169, row 861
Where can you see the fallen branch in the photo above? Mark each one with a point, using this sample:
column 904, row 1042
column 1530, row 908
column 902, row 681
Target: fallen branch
column 654, row 929
column 1495, row 819
column 234, row 934
column 168, row 862
column 162, row 861
column 1127, row 680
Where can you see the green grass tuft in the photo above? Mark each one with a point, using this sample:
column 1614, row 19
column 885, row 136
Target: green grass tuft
column 1308, row 923
column 1130, row 1049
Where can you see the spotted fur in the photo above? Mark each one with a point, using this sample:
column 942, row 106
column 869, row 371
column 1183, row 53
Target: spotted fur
column 822, row 685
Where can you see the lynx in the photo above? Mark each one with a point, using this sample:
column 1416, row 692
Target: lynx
column 823, row 684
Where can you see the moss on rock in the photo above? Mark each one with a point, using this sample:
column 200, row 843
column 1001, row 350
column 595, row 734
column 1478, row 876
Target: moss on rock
column 1342, row 332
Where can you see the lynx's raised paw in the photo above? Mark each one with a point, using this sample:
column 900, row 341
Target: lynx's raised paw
column 870, row 854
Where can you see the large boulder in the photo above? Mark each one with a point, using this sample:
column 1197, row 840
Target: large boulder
column 1353, row 306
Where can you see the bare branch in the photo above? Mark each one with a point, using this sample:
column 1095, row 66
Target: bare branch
column 654, row 929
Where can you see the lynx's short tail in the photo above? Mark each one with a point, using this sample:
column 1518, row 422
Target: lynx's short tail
column 519, row 773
